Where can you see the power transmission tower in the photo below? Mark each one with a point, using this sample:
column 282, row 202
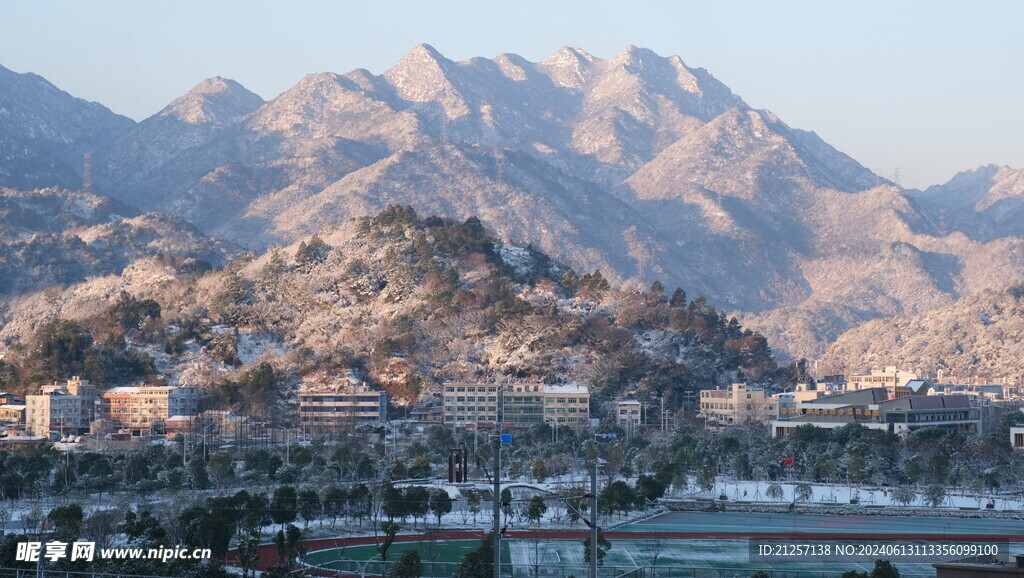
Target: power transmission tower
column 87, row 173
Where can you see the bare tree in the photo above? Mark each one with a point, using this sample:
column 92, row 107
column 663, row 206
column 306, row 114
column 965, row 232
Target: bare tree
column 904, row 495
column 102, row 527
column 755, row 411
column 656, row 547
column 803, row 492
column 431, row 548
column 536, row 555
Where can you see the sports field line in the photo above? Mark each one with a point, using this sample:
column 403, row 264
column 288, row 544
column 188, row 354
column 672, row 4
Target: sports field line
column 631, row 560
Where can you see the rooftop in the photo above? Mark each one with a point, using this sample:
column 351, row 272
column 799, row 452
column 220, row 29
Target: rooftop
column 939, row 401
column 566, row 389
column 137, row 389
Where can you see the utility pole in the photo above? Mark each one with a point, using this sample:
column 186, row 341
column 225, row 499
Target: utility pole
column 497, row 488
column 593, row 513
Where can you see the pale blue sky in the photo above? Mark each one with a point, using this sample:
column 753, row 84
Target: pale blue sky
column 930, row 88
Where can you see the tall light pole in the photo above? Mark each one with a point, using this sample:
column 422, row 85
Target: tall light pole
column 593, row 526
column 206, row 444
column 497, row 487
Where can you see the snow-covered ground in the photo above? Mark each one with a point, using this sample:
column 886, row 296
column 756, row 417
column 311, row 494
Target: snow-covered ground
column 843, row 494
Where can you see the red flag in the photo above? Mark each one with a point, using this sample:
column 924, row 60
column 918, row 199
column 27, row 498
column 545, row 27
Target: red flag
column 787, row 462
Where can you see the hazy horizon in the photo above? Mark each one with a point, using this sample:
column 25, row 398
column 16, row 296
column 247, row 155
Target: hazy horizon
column 925, row 89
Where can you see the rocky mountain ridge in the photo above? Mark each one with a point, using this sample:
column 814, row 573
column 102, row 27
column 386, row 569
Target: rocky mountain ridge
column 985, row 202
column 637, row 165
column 58, row 237
column 978, row 335
column 44, row 132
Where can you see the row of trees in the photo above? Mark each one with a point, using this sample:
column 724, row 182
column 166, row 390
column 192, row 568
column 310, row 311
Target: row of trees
column 415, row 502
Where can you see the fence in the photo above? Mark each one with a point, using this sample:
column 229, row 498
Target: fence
column 446, row 569
column 41, row 573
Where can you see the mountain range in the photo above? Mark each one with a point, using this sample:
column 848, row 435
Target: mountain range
column 637, row 165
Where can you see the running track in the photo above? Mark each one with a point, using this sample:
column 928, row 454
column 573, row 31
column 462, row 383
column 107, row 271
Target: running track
column 700, row 525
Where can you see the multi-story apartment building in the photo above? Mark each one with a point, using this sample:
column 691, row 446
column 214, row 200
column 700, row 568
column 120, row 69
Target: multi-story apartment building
column 342, row 408
column 873, row 409
column 67, row 408
column 737, row 405
column 566, row 404
column 628, row 413
column 897, row 382
column 521, row 404
column 12, row 416
column 787, row 401
column 142, row 407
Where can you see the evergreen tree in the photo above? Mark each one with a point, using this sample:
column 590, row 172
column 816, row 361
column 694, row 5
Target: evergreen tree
column 309, row 505
column 394, row 505
column 479, row 563
column 570, row 281
column 408, row 565
column 67, row 521
column 678, row 298
column 310, row 254
column 417, row 501
column 420, row 468
column 535, row 511
column 657, row 291
column 284, row 506
column 603, row 545
column 440, row 503
column 334, row 500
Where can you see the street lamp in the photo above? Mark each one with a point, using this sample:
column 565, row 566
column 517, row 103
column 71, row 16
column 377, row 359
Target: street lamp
column 206, row 446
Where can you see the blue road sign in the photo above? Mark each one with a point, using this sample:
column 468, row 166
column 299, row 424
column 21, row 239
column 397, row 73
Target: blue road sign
column 506, row 438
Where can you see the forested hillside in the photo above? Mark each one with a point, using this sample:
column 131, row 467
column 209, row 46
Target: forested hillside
column 396, row 300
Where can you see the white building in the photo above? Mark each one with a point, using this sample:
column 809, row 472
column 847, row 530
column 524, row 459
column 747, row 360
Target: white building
column 522, row 404
column 738, row 405
column 144, row 406
column 345, row 407
column 628, row 413
column 67, row 408
column 890, row 378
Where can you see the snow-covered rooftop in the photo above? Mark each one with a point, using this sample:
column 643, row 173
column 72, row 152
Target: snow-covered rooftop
column 566, row 389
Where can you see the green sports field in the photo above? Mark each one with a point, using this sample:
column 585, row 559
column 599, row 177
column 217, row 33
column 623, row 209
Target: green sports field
column 565, row 558
column 694, row 556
